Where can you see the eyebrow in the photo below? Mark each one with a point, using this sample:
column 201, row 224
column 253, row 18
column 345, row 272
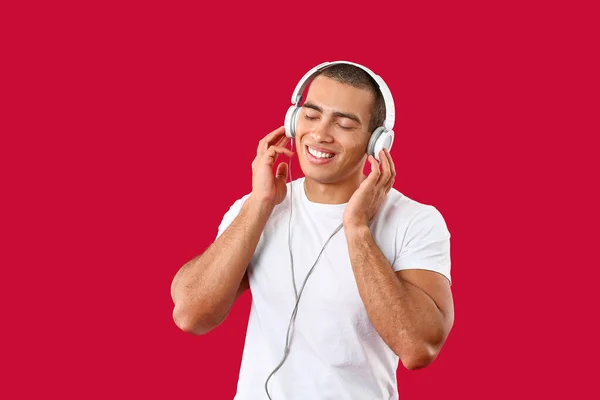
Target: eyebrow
column 336, row 114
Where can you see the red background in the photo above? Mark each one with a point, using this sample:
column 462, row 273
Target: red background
column 128, row 130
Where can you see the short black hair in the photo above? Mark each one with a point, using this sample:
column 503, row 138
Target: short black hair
column 354, row 76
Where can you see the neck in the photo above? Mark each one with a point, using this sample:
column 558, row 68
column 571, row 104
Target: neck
column 332, row 193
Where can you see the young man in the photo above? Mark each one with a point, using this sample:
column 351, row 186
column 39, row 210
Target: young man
column 378, row 290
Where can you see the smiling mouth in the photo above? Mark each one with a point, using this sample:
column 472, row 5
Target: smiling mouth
column 318, row 154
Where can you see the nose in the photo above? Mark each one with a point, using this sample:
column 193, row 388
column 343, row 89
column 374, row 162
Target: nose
column 320, row 133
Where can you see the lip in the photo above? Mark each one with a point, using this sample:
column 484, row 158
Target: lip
column 321, row 149
column 318, row 161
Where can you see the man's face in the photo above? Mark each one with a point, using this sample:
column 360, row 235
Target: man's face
column 334, row 120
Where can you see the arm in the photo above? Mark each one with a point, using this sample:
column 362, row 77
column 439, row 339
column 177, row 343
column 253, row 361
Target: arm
column 205, row 288
column 412, row 310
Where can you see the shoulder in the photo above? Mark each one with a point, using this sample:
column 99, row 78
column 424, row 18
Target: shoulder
column 231, row 212
column 407, row 213
column 294, row 189
column 237, row 204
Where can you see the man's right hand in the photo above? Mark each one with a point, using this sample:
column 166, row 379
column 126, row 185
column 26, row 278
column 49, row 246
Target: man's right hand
column 267, row 188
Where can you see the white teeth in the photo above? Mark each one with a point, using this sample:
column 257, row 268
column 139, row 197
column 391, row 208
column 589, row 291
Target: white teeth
column 318, row 154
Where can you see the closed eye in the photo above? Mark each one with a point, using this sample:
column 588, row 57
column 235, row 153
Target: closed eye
column 346, row 128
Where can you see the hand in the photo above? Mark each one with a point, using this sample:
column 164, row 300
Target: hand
column 369, row 196
column 266, row 188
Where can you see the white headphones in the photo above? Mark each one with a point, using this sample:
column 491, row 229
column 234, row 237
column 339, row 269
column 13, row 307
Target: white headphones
column 382, row 137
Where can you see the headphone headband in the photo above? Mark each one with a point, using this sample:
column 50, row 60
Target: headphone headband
column 390, row 110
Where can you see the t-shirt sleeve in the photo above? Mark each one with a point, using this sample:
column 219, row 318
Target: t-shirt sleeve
column 231, row 214
column 426, row 244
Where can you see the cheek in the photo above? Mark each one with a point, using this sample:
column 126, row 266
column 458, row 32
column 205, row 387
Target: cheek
column 297, row 142
column 355, row 146
column 300, row 137
column 302, row 123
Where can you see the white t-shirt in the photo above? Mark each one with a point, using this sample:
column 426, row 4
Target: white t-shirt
column 335, row 352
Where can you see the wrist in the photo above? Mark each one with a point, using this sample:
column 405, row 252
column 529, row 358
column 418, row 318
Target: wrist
column 356, row 230
column 259, row 207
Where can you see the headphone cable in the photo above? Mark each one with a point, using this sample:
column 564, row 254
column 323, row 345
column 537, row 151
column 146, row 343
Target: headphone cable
column 295, row 311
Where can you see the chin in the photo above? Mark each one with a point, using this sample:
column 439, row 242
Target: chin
column 319, row 175
column 321, row 179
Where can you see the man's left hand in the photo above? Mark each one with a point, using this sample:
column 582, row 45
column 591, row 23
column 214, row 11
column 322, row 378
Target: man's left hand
column 369, row 196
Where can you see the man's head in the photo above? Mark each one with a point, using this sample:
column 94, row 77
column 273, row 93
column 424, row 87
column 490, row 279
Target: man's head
column 356, row 77
column 343, row 106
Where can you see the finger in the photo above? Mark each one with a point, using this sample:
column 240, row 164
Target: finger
column 386, row 172
column 275, row 135
column 387, row 152
column 392, row 178
column 392, row 168
column 272, row 152
column 270, row 139
column 374, row 174
column 282, row 171
column 283, row 141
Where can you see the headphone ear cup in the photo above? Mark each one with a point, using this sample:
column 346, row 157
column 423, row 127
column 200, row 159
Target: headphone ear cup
column 291, row 118
column 380, row 139
column 374, row 136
